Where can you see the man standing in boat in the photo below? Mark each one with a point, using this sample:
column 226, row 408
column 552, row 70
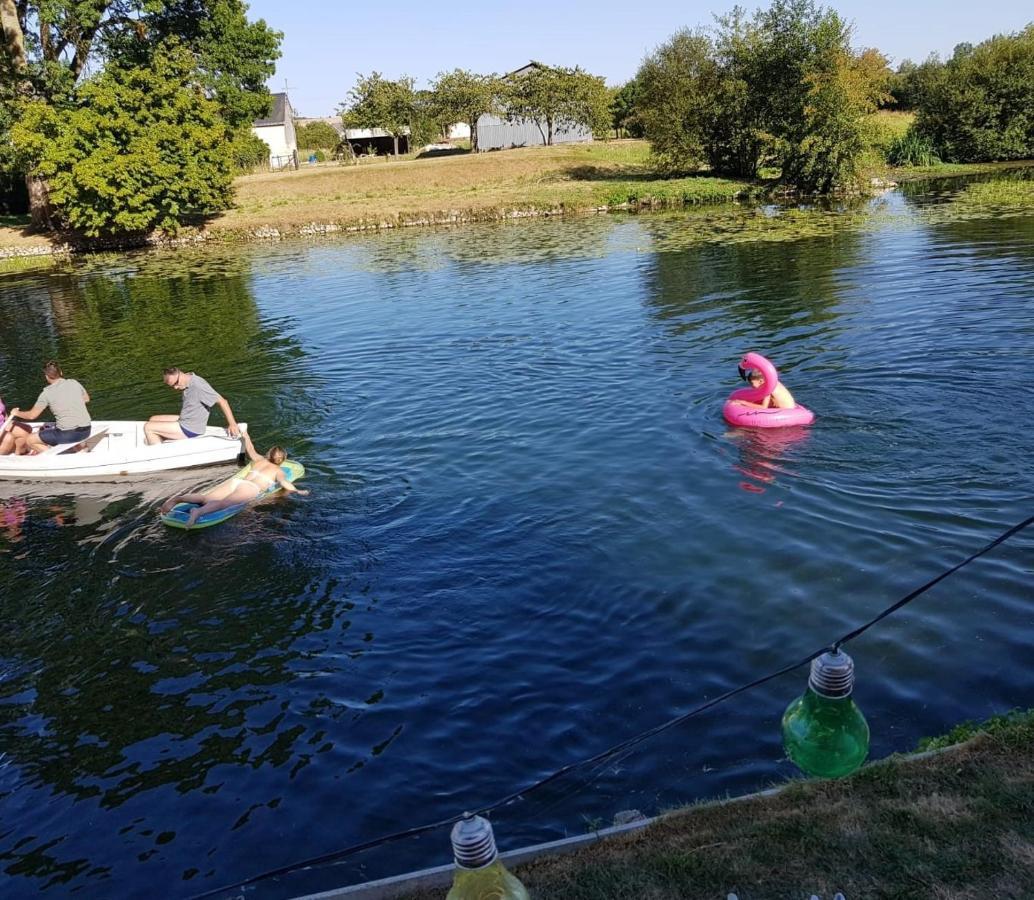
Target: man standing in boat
column 198, row 399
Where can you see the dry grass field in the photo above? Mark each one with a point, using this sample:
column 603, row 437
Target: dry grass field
column 568, row 178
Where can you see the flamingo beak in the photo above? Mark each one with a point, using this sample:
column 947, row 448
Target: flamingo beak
column 743, row 372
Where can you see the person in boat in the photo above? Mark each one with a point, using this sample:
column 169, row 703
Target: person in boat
column 780, row 398
column 265, row 472
column 198, row 399
column 67, row 400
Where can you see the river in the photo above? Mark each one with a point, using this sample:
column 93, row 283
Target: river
column 530, row 535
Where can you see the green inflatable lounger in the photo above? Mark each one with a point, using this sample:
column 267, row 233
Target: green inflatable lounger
column 177, row 516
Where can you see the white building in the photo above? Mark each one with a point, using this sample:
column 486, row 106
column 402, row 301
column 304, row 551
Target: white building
column 277, row 130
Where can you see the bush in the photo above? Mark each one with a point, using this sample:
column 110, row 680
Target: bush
column 979, row 106
column 912, row 149
column 249, row 151
column 317, row 136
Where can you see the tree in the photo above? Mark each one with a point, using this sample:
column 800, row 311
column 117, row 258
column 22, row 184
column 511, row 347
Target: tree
column 317, row 136
column 624, row 116
column 462, row 96
column 820, row 93
column 556, row 98
column 376, row 102
column 782, row 87
column 140, row 147
column 676, row 99
column 50, row 42
column 979, row 105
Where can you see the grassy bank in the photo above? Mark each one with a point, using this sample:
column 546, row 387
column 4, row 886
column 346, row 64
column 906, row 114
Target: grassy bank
column 957, row 824
column 564, row 178
column 567, row 179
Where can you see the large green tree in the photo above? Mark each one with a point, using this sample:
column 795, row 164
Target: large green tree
column 462, row 96
column 556, row 98
column 49, row 44
column 676, row 98
column 377, row 102
column 783, row 87
column 139, row 148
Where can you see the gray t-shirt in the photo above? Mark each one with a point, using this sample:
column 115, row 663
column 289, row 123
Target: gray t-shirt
column 198, row 399
column 65, row 399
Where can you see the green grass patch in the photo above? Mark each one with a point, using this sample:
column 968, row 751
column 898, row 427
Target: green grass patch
column 957, row 824
column 14, row 221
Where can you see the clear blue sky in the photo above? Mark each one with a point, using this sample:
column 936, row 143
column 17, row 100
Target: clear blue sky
column 327, row 41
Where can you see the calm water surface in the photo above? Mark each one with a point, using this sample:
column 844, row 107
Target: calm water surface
column 530, row 534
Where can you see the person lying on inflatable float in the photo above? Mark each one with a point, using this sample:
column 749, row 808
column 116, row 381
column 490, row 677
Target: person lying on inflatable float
column 766, row 403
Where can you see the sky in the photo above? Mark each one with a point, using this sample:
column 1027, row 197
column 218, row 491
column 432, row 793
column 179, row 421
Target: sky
column 326, row 42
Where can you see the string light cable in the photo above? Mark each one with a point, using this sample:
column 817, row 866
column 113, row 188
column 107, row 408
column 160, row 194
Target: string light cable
column 625, row 745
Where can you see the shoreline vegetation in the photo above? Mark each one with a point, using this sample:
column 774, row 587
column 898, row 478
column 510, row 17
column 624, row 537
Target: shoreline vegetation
column 956, row 823
column 567, row 179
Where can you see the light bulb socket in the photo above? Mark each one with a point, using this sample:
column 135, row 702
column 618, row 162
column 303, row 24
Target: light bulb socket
column 832, row 675
column 473, row 843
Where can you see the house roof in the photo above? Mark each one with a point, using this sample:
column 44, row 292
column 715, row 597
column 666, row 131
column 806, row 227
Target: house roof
column 280, row 114
column 525, row 69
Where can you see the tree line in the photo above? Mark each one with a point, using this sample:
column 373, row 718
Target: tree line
column 122, row 116
column 550, row 97
column 784, row 89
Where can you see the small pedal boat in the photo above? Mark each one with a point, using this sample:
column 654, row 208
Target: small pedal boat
column 115, row 450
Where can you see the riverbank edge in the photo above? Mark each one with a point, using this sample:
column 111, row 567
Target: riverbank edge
column 605, row 858
column 41, row 246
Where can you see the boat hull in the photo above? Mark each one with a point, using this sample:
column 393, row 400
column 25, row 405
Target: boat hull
column 117, row 450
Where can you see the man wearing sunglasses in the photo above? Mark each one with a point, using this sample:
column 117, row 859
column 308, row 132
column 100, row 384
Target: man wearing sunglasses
column 198, row 399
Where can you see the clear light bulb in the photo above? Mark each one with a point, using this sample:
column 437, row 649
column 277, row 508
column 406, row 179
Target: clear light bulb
column 824, row 731
column 479, row 873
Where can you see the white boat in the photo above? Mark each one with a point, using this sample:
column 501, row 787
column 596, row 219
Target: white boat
column 117, row 449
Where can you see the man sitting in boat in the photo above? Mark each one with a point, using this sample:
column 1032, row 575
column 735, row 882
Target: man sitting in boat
column 263, row 475
column 67, row 400
column 198, row 399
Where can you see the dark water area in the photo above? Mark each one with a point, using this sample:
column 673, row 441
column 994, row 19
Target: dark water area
column 530, row 533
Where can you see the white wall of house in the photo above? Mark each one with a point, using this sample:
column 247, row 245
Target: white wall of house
column 279, row 138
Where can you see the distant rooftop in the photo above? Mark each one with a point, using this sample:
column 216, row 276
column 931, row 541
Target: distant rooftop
column 280, row 113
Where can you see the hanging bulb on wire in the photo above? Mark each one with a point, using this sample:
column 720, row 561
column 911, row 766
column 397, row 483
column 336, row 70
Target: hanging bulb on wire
column 480, row 875
column 824, row 731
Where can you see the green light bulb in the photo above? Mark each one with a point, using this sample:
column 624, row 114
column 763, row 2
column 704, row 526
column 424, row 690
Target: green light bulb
column 479, row 873
column 824, row 731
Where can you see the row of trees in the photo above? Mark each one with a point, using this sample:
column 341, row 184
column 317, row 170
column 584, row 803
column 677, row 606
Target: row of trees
column 551, row 97
column 976, row 106
column 783, row 88
column 123, row 115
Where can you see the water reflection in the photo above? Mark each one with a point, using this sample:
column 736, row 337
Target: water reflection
column 766, row 454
